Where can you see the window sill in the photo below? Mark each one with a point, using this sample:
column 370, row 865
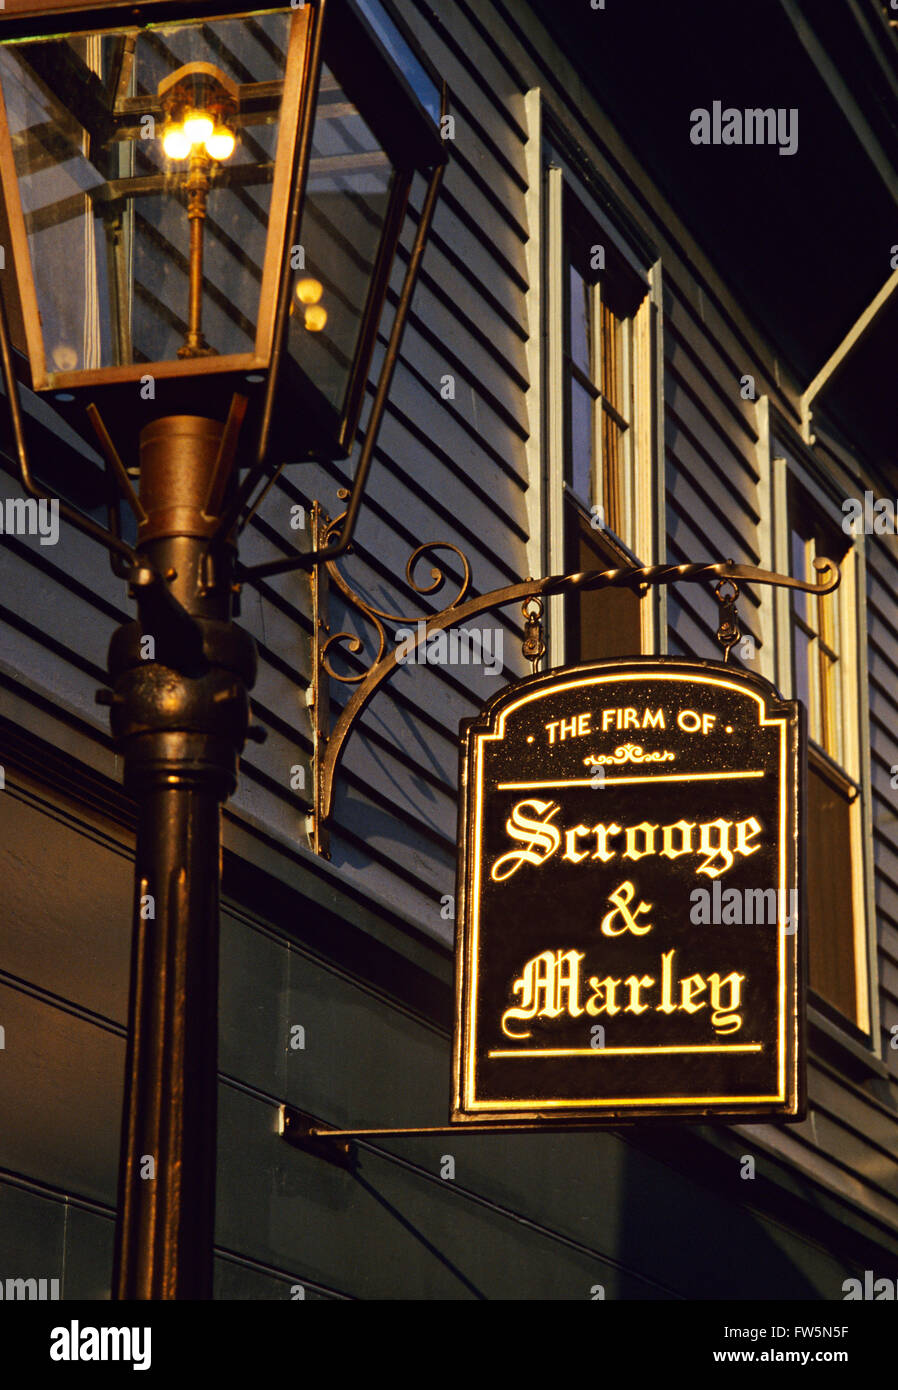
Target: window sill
column 830, row 770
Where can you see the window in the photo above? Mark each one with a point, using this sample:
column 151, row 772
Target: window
column 607, row 405
column 598, row 361
column 823, row 679
column 815, row 635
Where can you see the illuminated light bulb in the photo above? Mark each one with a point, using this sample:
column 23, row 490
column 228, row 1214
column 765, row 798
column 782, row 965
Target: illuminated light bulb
column 198, row 127
column 309, row 291
column 316, row 317
column 221, row 143
column 175, row 143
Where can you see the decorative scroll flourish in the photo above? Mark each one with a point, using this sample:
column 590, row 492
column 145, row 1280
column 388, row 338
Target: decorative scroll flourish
column 378, row 616
column 629, row 753
column 462, row 607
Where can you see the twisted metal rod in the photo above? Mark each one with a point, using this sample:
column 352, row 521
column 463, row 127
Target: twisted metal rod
column 673, row 574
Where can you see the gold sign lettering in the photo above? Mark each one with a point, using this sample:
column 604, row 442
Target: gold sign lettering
column 549, row 986
column 545, row 981
column 622, row 898
column 531, row 825
column 539, row 838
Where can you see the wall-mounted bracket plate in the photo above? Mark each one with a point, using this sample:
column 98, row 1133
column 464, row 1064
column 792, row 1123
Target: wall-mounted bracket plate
column 302, row 1131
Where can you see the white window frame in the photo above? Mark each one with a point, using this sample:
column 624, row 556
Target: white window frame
column 791, row 459
column 644, row 505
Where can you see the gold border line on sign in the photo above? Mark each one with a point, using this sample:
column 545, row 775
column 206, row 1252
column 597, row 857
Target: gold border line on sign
column 469, row 1101
column 623, row 1051
column 657, row 777
column 618, row 1102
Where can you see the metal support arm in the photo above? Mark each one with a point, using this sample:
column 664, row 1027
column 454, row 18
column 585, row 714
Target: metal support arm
column 458, row 612
column 304, row 1131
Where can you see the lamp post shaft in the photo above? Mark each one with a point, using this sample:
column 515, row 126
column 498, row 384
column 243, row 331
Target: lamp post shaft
column 180, row 712
column 198, row 190
column 167, row 1178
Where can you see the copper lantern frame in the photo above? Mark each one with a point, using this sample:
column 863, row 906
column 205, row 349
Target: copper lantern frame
column 297, row 78
column 322, row 31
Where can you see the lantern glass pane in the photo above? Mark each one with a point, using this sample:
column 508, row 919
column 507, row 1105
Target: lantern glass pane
column 111, row 212
column 348, row 190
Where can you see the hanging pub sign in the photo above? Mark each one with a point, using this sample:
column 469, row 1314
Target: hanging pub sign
column 630, row 900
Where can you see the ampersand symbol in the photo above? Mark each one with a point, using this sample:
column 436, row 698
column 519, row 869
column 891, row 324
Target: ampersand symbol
column 622, row 897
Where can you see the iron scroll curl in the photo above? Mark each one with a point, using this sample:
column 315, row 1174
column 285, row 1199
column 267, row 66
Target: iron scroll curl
column 377, row 616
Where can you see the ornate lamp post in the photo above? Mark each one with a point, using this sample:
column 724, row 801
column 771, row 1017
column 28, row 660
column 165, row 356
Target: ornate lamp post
column 202, row 204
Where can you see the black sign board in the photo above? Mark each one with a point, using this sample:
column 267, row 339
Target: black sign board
column 630, row 898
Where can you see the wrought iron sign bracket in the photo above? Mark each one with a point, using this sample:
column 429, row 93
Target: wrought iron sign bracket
column 329, row 744
column 304, row 1131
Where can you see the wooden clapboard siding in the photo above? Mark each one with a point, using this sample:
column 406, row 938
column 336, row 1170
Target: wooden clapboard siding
column 492, row 499
column 882, row 646
column 693, row 362
column 494, row 282
column 712, row 473
column 691, row 331
column 488, row 311
column 466, row 191
column 58, row 610
column 467, row 212
column 477, row 71
column 440, row 332
column 721, row 455
column 486, row 407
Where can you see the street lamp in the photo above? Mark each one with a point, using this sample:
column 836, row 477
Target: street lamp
column 202, row 205
column 200, row 103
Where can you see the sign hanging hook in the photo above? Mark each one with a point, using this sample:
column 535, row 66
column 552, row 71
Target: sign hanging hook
column 726, row 591
column 533, row 646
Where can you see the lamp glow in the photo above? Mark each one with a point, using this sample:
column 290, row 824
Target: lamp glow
column 198, row 127
column 221, row 143
column 309, row 291
column 316, row 317
column 175, row 142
